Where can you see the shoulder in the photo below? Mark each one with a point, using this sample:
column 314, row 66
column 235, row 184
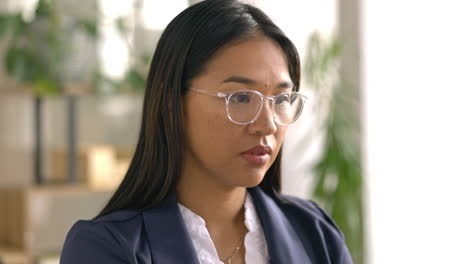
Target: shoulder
column 300, row 212
column 107, row 239
column 308, row 211
column 315, row 227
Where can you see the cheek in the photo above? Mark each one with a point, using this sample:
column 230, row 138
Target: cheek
column 282, row 130
column 279, row 137
column 208, row 132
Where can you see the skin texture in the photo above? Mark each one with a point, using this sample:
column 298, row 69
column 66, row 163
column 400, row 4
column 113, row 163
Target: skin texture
column 215, row 175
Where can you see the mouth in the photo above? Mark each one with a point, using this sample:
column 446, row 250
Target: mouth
column 258, row 155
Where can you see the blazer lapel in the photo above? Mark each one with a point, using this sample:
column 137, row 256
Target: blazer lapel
column 284, row 245
column 169, row 240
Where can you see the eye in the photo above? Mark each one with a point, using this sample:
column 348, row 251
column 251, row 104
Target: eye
column 282, row 99
column 241, row 98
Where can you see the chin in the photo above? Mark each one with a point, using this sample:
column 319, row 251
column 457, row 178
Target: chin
column 251, row 180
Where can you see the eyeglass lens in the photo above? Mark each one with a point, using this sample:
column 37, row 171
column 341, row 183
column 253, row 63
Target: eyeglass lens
column 244, row 106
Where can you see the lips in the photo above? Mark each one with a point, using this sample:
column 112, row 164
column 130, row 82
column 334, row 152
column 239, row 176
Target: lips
column 258, row 155
column 259, row 150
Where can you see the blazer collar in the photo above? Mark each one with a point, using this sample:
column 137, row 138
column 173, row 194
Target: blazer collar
column 170, row 242
column 284, row 245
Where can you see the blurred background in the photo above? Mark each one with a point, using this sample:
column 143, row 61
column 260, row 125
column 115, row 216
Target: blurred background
column 381, row 146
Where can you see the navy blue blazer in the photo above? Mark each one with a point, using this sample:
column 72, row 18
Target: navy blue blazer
column 296, row 231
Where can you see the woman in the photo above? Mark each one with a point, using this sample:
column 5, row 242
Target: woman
column 204, row 183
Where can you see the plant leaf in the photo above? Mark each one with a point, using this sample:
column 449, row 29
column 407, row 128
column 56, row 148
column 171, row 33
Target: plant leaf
column 89, row 27
column 44, row 86
column 135, row 80
column 4, row 24
column 18, row 25
column 121, row 25
column 44, row 8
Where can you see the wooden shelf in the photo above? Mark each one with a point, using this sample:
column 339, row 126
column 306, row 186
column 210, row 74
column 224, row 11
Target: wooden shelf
column 13, row 256
column 37, row 218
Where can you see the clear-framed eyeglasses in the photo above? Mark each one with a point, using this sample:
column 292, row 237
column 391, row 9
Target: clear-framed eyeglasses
column 244, row 106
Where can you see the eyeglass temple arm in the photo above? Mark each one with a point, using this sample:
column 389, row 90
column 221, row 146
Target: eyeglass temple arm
column 218, row 94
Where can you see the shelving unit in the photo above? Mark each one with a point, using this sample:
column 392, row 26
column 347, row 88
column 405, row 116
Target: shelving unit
column 11, row 256
column 35, row 220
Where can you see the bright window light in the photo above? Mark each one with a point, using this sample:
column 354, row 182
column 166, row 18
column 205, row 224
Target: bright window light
column 156, row 14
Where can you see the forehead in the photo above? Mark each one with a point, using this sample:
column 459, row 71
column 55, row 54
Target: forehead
column 258, row 58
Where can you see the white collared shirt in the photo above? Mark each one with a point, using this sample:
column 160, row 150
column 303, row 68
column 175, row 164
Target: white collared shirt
column 256, row 251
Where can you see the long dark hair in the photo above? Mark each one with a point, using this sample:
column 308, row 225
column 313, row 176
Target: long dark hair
column 184, row 48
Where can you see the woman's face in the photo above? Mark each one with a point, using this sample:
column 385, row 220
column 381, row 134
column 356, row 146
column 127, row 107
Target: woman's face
column 219, row 150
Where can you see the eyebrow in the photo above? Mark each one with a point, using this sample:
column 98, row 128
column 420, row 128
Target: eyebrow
column 248, row 81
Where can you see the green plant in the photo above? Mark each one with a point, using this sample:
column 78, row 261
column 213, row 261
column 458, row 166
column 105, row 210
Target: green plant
column 338, row 173
column 134, row 78
column 37, row 49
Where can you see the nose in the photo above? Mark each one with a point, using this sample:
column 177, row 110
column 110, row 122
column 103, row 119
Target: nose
column 265, row 123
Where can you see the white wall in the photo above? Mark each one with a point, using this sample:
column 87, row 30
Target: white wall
column 416, row 93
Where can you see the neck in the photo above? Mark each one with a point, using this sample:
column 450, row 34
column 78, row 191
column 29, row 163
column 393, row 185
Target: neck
column 217, row 205
column 221, row 206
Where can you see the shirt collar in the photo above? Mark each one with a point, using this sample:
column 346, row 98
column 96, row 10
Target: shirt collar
column 196, row 222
